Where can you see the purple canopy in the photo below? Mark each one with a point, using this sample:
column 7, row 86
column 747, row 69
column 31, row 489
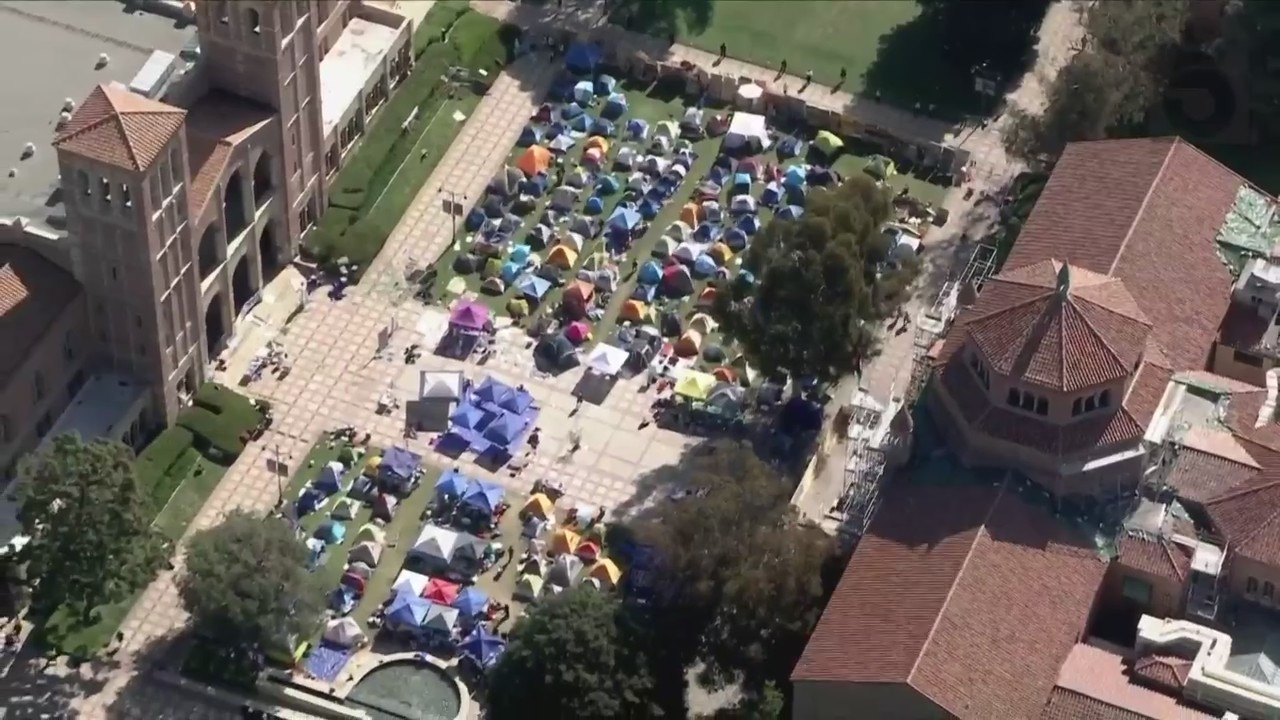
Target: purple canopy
column 470, row 315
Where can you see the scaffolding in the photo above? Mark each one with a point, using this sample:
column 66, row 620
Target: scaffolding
column 864, row 466
column 931, row 324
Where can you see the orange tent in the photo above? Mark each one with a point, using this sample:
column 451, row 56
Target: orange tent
column 725, row 374
column 691, row 214
column 707, row 297
column 534, row 160
column 635, row 311
column 580, row 291
column 562, row 256
column 597, row 142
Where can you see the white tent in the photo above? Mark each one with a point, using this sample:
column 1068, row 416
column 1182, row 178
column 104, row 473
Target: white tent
column 435, row 543
column 743, row 204
column 410, row 582
column 747, row 128
column 565, row 570
column 667, row 129
column 564, row 198
column 690, row 251
column 440, row 385
column 679, row 230
column 606, row 359
column 345, row 632
column 626, row 157
column 366, row 552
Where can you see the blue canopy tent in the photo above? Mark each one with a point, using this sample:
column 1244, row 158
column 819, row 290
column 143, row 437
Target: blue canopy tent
column 790, row 212
column 615, row 107
column 582, row 123
column 331, row 532
column 494, row 391
column 399, row 463
column 520, row 253
column 605, row 84
column 602, row 127
column 505, row 430
column 533, row 287
column 562, row 144
column 475, row 220
column 407, row 612
column 451, row 485
column 518, row 403
column 483, row 496
column 650, row 207
column 531, row 135
column 584, row 92
column 510, row 271
column 772, row 195
column 741, row 180
column 638, row 129
column 483, row 647
column 735, row 239
column 472, row 601
column 469, row 417
column 594, row 206
column 650, row 273
column 794, row 177
column 608, row 185
column 582, row 58
column 704, row 266
column 571, row 111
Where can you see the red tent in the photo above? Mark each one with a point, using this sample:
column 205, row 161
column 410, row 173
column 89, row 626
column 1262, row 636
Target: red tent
column 355, row 582
column 441, row 591
column 589, row 551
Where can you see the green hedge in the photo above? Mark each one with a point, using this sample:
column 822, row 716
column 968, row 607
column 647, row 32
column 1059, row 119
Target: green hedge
column 157, row 465
column 235, row 409
column 218, row 439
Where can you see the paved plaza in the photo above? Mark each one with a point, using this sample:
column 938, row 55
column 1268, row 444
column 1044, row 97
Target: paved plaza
column 339, row 372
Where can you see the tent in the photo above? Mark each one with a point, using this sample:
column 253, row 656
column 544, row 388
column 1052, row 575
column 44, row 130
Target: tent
column 608, row 185
column 562, row 143
column 772, row 195
column 539, row 506
column 367, row 553
column 623, row 221
column 880, row 167
column 664, row 247
column 749, row 224
column 384, row 507
column 606, row 572
column 532, row 287
column 688, row 252
column 469, row 315
column 650, row 207
column 557, row 350
column 562, row 257
column 597, row 142
column 564, row 198
column 577, row 332
column 794, row 176
column 506, row 182
column 510, row 270
column 742, row 204
column 707, row 297
column 563, row 541
column 650, row 273
column 504, row 431
column 584, row 92
column 331, row 532
column 666, row 129
column 689, row 345
column 703, row 323
column 471, row 601
column 407, row 612
column 483, row 496
column 469, row 417
column 565, row 570
column 704, row 266
column 582, row 58
column 329, row 481
column 602, row 126
column 371, row 533
column 483, row 647
column 531, row 135
column 615, row 106
column 584, row 226
column 626, row 158
column 439, row 590
column 748, row 130
column 790, row 212
column 450, row 485
column 634, row 311
column 589, row 551
column 399, row 464
column 606, row 359
column 573, row 240
column 638, row 129
column 692, row 117
column 727, row 398
column 721, row 252
column 578, row 178
column 571, row 111
column 827, row 143
column 695, row 385
column 580, row 294
column 528, row 588
column 494, row 391
column 411, row 583
column 691, row 214
column 582, row 123
column 677, row 281
column 344, row 632
column 345, row 509
column 638, row 182
column 435, row 544
column 534, row 160
column 439, row 385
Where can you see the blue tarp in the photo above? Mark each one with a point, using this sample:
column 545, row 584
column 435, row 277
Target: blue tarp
column 471, row 601
column 505, row 429
column 583, row 57
column 638, row 129
column 451, row 484
column 469, row 417
column 494, row 391
column 624, row 219
column 482, row 495
column 790, row 212
column 399, row 463
column 531, row 135
column 407, row 612
column 650, row 272
column 483, row 647
column 532, row 287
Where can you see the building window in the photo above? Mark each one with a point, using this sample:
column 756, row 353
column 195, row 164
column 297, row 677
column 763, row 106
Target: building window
column 126, row 196
column 1268, row 590
column 105, row 188
column 1014, row 398
column 1028, row 401
column 1077, row 406
column 980, row 370
column 1247, row 358
column 1136, row 589
column 45, row 425
column 1251, row 586
column 254, row 18
column 1104, row 399
column 82, row 180
column 1042, row 406
column 38, row 382
column 1090, row 404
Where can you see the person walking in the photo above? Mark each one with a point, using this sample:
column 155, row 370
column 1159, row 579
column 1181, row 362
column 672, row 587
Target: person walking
column 843, row 74
column 724, row 51
column 782, row 69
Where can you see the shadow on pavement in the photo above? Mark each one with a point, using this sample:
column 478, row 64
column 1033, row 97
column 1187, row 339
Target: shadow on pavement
column 146, row 695
column 39, row 687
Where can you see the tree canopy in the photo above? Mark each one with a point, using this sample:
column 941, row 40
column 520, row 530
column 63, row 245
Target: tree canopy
column 581, row 654
column 246, row 583
column 1121, row 73
column 89, row 524
column 822, row 286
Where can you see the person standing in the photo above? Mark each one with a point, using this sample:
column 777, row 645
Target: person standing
column 724, row 51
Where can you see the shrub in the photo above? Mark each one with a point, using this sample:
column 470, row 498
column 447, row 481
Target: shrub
column 231, row 405
column 162, row 454
column 215, row 436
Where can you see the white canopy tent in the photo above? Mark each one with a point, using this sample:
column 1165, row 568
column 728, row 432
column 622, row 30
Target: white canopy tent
column 606, row 359
column 410, row 582
column 747, row 128
column 435, row 543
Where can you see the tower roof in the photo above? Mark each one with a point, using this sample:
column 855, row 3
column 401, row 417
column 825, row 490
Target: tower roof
column 1060, row 327
column 121, row 128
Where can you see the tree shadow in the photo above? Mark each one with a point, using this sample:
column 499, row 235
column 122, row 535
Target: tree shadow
column 664, row 18
column 39, row 686
column 156, row 688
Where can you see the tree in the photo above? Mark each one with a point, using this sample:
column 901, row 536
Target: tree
column 1006, row 27
column 89, row 524
column 1111, row 84
column 769, row 704
column 246, row 584
column 1251, row 30
column 822, row 286
column 581, row 654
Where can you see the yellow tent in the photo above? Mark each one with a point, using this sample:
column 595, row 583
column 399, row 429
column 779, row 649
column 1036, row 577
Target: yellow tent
column 607, row 572
column 562, row 256
column 691, row 214
column 635, row 311
column 827, row 143
column 563, row 541
column 371, row 465
column 534, row 160
column 597, row 142
column 539, row 506
column 695, row 385
column 689, row 344
column 722, row 253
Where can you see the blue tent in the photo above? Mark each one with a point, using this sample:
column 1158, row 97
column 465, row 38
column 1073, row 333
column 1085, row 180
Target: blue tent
column 571, row 111
column 742, row 180
column 650, row 273
column 745, row 277
column 749, row 224
column 329, row 481
column 638, row 129
column 562, row 143
column 510, row 270
column 704, row 265
column 594, row 206
column 650, row 207
column 584, row 92
column 707, row 232
column 531, row 135
column 615, row 107
column 482, row 495
column 772, row 195
column 399, row 463
column 735, row 239
column 624, row 219
column 557, row 129
column 582, row 58
column 790, row 147
column 483, row 647
column 535, row 186
column 644, row 292
column 605, row 84
column 451, row 485
column 332, row 532
column 505, row 429
column 533, row 287
column 794, row 177
column 474, row 220
column 407, row 612
column 790, row 212
column 608, row 185
column 307, row 502
column 469, row 417
column 518, row 403
column 562, row 89
column 582, row 123
column 471, row 602
column 520, row 253
column 602, row 127
column 494, row 391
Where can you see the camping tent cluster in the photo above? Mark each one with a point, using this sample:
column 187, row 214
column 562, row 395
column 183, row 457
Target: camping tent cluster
column 420, row 604
column 491, row 421
column 571, row 554
column 473, row 503
column 439, row 550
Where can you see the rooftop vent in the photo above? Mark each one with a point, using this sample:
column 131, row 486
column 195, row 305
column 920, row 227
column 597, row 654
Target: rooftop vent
column 28, row 150
column 68, row 105
column 103, row 60
column 64, row 117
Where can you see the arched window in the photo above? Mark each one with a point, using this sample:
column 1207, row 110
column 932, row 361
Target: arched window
column 82, row 180
column 1268, row 590
column 1251, row 586
column 254, row 19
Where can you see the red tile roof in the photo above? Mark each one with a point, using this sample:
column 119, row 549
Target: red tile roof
column 1165, row 671
column 121, row 128
column 33, row 293
column 1070, row 705
column 968, row 594
column 1199, row 476
column 215, row 125
column 1105, row 676
column 1155, row 556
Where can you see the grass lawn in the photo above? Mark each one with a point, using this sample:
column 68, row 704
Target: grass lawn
column 876, row 41
column 190, row 496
